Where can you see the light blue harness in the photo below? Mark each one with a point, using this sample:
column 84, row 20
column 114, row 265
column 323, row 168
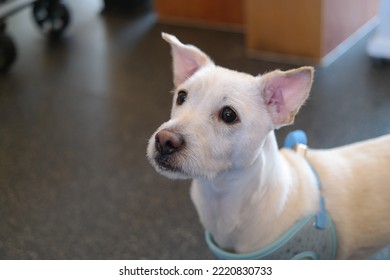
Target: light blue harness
column 313, row 237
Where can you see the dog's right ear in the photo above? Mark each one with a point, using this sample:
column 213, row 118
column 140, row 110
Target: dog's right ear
column 187, row 59
column 285, row 92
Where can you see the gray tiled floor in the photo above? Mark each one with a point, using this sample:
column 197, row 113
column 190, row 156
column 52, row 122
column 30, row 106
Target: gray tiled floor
column 75, row 117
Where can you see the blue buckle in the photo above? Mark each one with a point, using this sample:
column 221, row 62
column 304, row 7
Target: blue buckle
column 294, row 138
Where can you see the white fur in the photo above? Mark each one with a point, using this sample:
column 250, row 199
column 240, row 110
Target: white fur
column 246, row 191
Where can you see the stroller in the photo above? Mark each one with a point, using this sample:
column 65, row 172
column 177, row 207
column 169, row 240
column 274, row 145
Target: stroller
column 51, row 16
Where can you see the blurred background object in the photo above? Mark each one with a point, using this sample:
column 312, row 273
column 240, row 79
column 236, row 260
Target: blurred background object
column 51, row 16
column 379, row 46
column 299, row 31
column 126, row 6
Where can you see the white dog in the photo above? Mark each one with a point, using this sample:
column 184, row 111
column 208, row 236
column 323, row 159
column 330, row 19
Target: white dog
column 252, row 198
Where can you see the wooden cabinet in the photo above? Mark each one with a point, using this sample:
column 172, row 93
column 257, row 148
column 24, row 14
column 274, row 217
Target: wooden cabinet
column 300, row 30
column 207, row 13
column 306, row 30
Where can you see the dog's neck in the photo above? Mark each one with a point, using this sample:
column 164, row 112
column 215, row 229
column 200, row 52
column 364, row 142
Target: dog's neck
column 244, row 209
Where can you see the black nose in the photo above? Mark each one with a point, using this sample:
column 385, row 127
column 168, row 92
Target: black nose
column 167, row 142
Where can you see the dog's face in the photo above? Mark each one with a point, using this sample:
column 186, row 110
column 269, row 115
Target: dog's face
column 220, row 117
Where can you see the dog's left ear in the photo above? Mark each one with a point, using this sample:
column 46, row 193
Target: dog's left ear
column 285, row 92
column 187, row 59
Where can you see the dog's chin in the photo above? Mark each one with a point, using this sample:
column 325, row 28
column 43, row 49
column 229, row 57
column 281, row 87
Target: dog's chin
column 175, row 172
column 175, row 175
column 169, row 170
column 176, row 167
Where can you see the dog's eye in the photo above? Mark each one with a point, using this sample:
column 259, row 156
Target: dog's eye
column 228, row 115
column 181, row 97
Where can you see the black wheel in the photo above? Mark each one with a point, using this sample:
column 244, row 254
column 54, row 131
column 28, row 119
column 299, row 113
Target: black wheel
column 7, row 53
column 52, row 17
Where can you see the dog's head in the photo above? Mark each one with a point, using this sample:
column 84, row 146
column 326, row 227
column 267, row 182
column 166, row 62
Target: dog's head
column 220, row 117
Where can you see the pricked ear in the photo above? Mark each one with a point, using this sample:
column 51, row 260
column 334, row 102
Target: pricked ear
column 187, row 59
column 285, row 92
